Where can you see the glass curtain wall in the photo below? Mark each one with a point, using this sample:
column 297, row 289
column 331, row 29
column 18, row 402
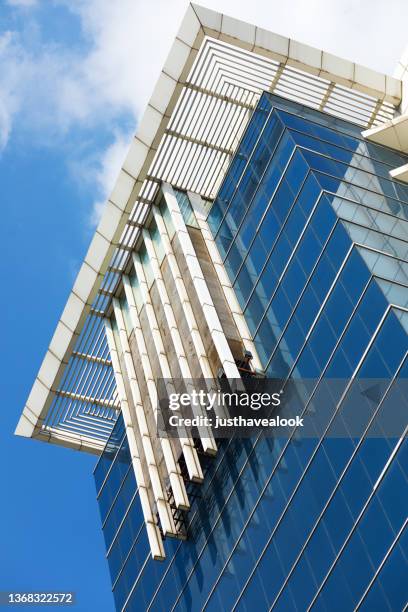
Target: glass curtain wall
column 313, row 236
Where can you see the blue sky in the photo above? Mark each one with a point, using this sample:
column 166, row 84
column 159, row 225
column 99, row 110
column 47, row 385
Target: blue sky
column 74, row 76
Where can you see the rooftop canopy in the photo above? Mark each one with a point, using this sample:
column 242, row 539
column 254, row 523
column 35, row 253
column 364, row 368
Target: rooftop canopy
column 215, row 72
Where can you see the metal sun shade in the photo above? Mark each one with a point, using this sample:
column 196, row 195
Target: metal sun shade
column 214, row 107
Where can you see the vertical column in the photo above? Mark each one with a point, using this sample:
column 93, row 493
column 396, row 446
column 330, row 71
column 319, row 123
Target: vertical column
column 163, row 507
column 187, row 445
column 192, row 462
column 209, row 312
column 206, row 435
column 225, row 282
column 187, row 309
column 153, row 533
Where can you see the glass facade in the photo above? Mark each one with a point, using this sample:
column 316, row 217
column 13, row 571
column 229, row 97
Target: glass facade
column 313, row 234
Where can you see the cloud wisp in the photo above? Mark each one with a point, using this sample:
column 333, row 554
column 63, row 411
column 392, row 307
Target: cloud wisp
column 50, row 90
column 53, row 91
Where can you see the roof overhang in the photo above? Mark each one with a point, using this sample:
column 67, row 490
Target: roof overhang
column 216, row 65
column 394, row 134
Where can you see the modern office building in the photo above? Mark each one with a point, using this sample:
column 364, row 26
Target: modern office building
column 262, row 209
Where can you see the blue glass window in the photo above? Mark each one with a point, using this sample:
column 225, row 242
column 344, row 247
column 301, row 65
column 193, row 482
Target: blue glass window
column 313, row 234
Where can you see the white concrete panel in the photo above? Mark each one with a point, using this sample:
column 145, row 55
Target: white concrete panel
column 304, row 54
column 195, row 268
column 135, row 158
column 24, row 427
column 393, row 88
column 212, row 319
column 337, row 66
column 110, row 221
column 201, row 290
column 242, row 329
column 72, row 312
column 84, row 282
column 162, row 93
column 190, row 27
column 220, row 269
column 176, row 59
column 61, row 340
column 49, row 369
column 131, row 202
column 97, row 253
column 208, row 18
column 272, row 42
column 122, row 190
column 149, row 125
column 38, row 397
column 370, row 79
column 245, row 32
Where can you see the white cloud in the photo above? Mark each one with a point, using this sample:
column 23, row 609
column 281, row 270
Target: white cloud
column 106, row 172
column 49, row 88
column 12, row 70
column 130, row 45
column 54, row 87
column 5, row 125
